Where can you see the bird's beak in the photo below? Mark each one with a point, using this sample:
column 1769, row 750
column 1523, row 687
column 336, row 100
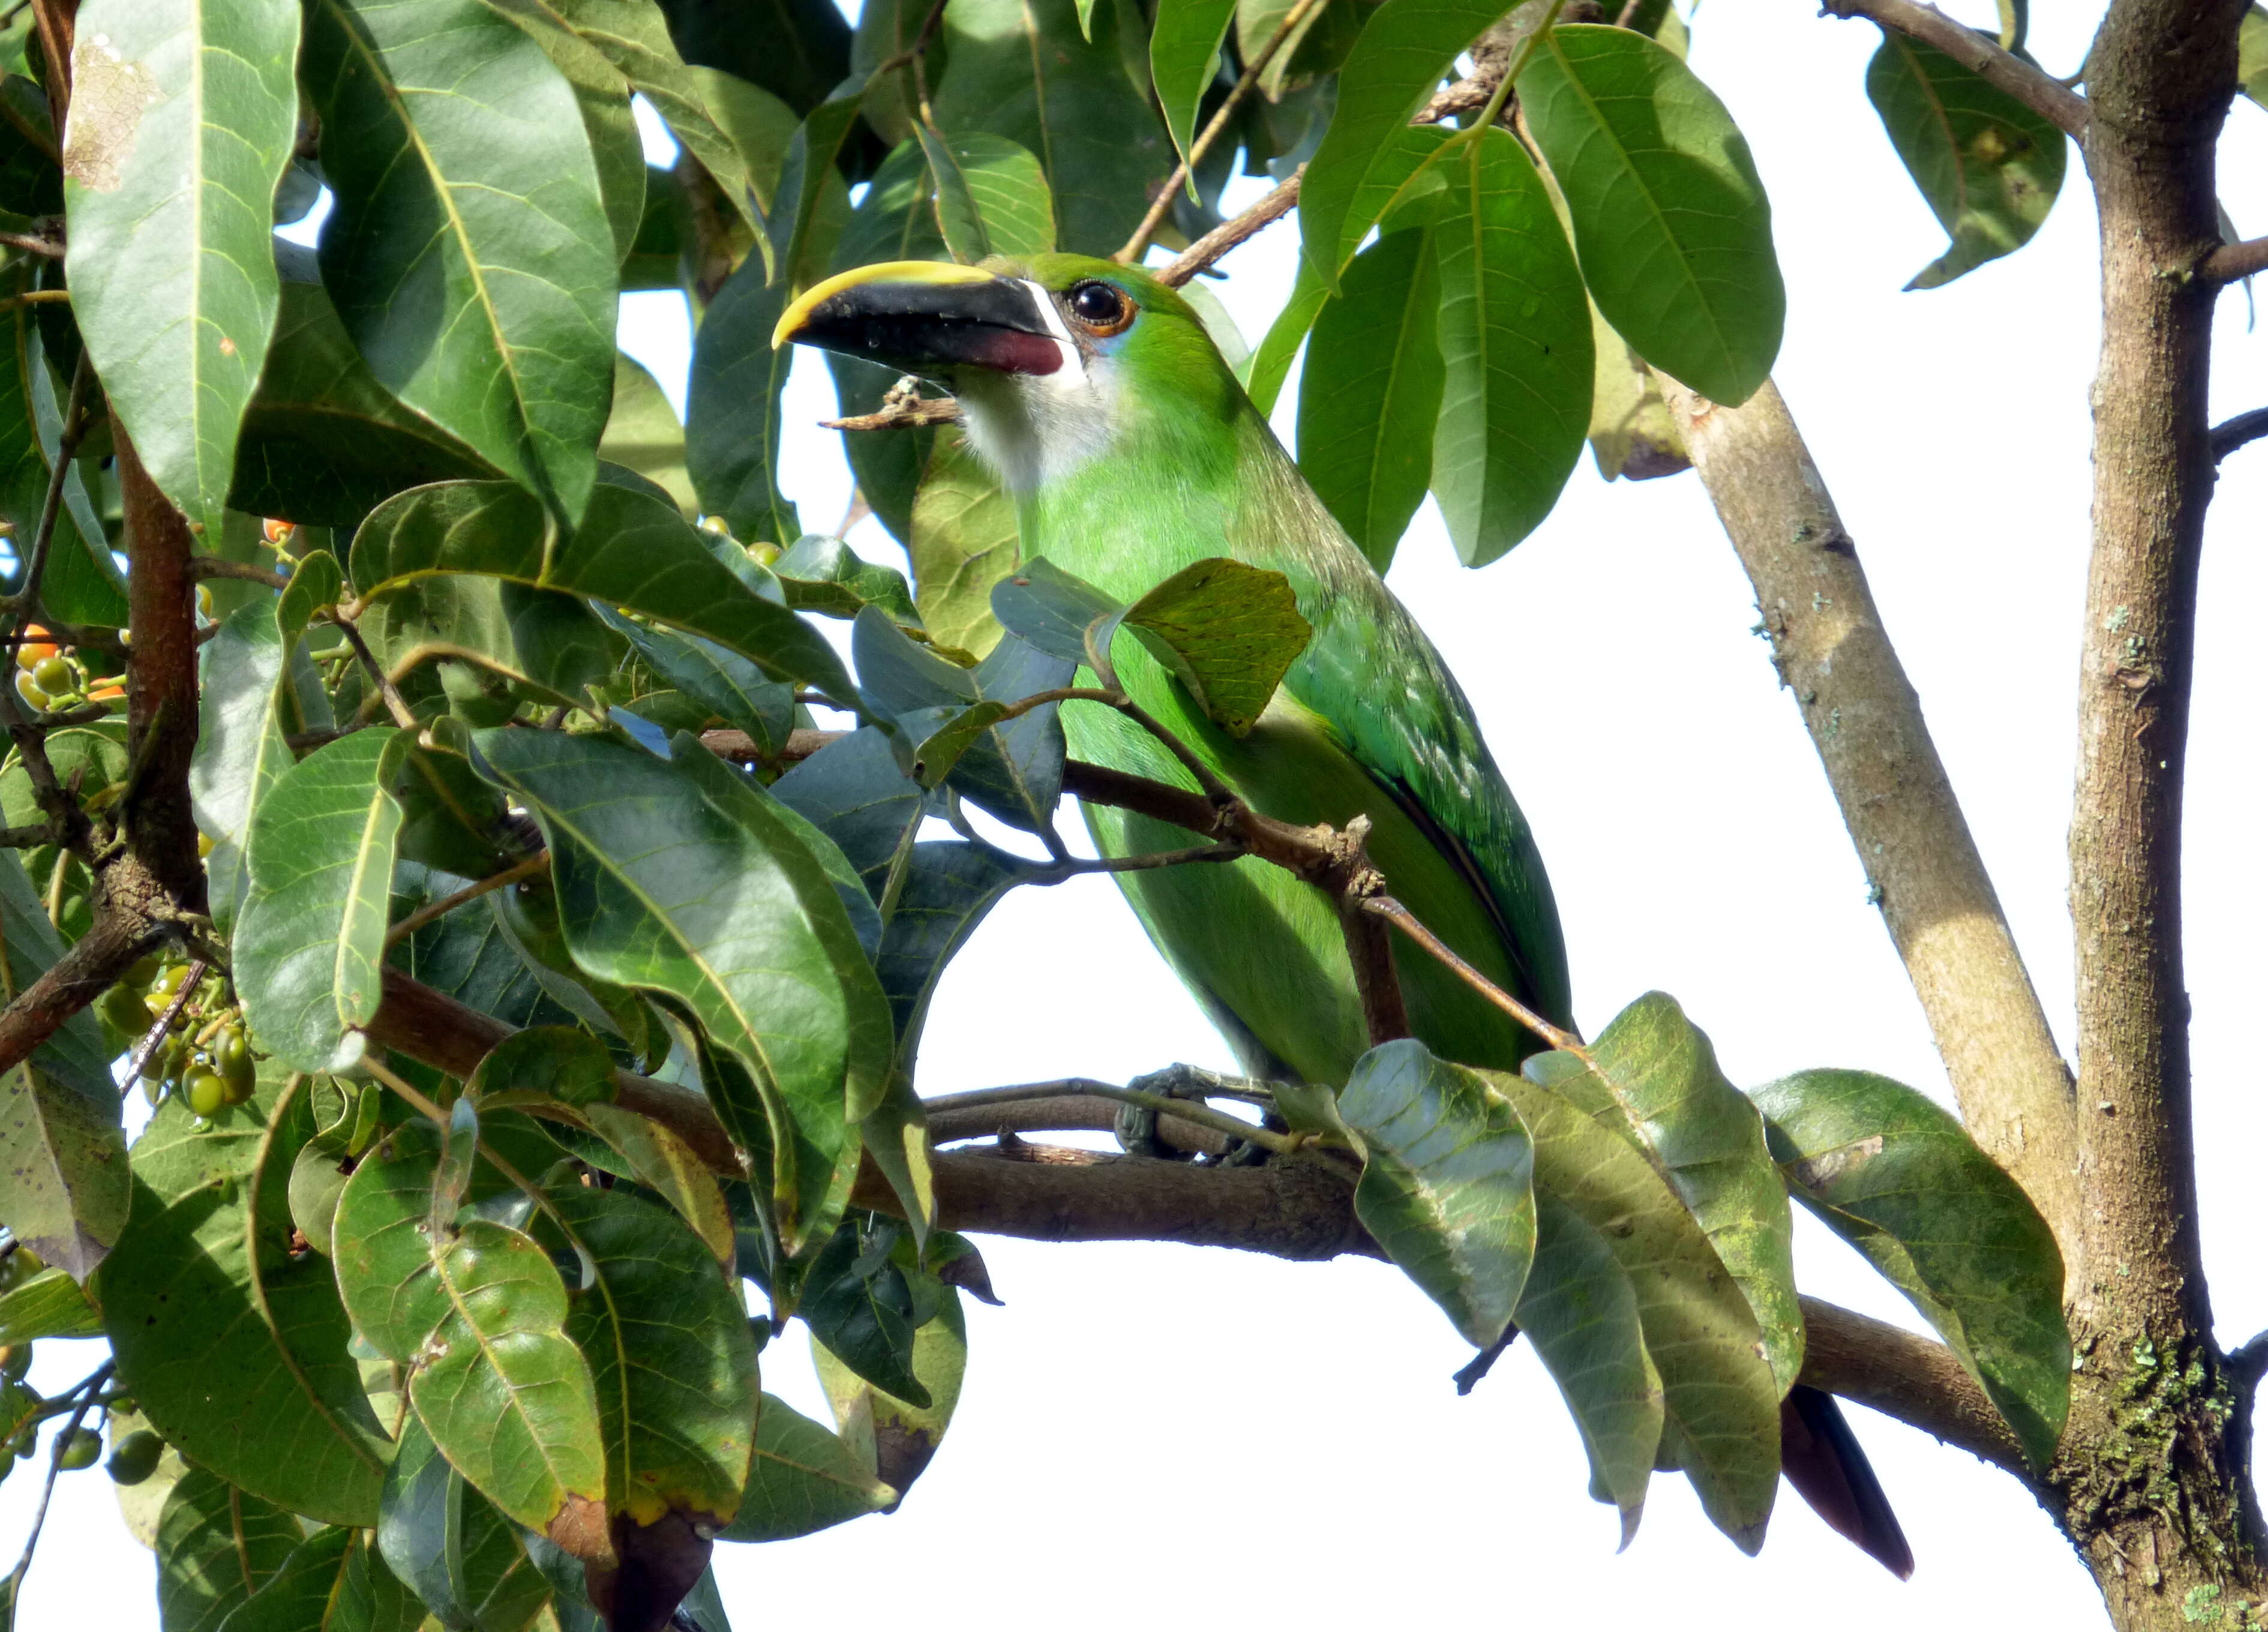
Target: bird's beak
column 927, row 317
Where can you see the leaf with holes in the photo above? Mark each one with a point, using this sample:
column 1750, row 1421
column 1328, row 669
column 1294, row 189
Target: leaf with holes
column 182, row 119
column 1898, row 1177
column 1671, row 222
column 468, row 252
column 1988, row 166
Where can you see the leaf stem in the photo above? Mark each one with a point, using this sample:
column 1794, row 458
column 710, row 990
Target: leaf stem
column 1402, row 919
column 449, row 903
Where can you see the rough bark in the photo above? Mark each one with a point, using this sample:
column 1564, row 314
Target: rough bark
column 1831, row 650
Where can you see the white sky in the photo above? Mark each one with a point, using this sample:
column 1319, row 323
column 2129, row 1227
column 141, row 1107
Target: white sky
column 1152, row 1431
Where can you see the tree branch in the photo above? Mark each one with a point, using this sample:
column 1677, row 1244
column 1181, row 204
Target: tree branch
column 2238, row 430
column 161, row 683
column 1830, row 648
column 2233, row 262
column 1913, row 1378
column 2043, row 94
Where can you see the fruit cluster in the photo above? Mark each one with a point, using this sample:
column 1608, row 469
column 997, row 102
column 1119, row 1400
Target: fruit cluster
column 205, row 1057
column 48, row 676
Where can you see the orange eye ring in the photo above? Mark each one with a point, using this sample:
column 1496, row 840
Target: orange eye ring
column 1100, row 308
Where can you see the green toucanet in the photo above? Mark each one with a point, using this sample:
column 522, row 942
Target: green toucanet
column 1133, row 453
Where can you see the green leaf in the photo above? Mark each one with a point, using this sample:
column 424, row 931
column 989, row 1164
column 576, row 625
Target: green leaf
column 1516, row 349
column 634, row 36
column 1988, row 166
column 1049, row 609
column 949, row 886
column 313, row 930
column 808, row 183
column 240, row 749
column 797, row 49
column 1405, row 49
column 333, row 1581
column 957, row 218
column 1580, row 1310
column 1653, row 1077
column 667, row 1338
column 666, row 1164
column 479, row 1317
column 1446, row 1186
column 1024, row 69
column 82, row 585
column 732, row 409
column 322, row 440
column 888, row 463
column 964, row 541
column 49, row 1303
column 2252, row 54
column 857, row 1303
column 450, row 1544
column 803, row 1479
column 722, row 682
column 1008, row 190
column 824, row 575
column 233, row 1346
column 633, row 551
column 183, row 119
column 1184, row 53
column 1670, row 219
column 1229, row 632
column 1367, row 419
column 1271, row 359
column 544, row 1064
column 642, row 434
column 64, row 1189
column 904, row 1435
column 31, row 181
column 1719, row 1398
column 895, row 221
column 216, row 1545
column 682, row 877
column 601, row 96
column 1898, row 1177
column 1633, row 435
column 494, row 314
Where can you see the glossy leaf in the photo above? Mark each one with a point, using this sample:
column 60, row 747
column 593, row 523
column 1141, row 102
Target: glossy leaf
column 1008, row 190
column 182, row 119
column 447, row 1541
column 322, row 440
column 667, row 1335
column 1653, row 1079
column 313, row 930
column 1404, row 52
column 723, row 682
column 240, row 749
column 1411, row 167
column 824, row 575
column 1047, row 608
column 1670, row 219
column 858, row 1303
column 1447, row 1183
column 64, row 1189
column 856, row 793
column 732, row 409
column 1988, row 166
column 216, row 1547
column 1581, row 1309
column 1023, row 69
column 682, row 877
column 1897, row 1176
column 1515, row 336
column 1184, row 52
column 667, row 1166
column 1718, row 1395
column 1366, row 420
column 964, row 541
column 803, row 1479
column 948, row 888
column 602, row 98
column 479, row 1317
column 468, row 254
column 904, row 1435
column 633, row 551
column 233, row 1346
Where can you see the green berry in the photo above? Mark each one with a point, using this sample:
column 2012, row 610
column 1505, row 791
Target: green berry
column 134, row 1458
column 233, row 1057
column 143, row 972
column 207, row 1091
column 82, row 1448
column 121, row 1006
column 55, row 676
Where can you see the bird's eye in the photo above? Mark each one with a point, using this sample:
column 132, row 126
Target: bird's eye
column 1101, row 308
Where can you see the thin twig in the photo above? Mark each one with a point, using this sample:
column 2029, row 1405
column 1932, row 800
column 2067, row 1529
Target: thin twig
column 154, row 1038
column 1401, row 917
column 920, row 47
column 387, row 688
column 2232, row 434
column 1980, row 54
column 86, row 1390
column 447, row 904
column 35, row 297
column 32, row 243
column 1133, row 247
column 1076, row 867
column 1273, row 206
column 214, row 567
column 906, row 416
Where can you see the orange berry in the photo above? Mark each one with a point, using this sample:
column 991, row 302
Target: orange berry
column 275, row 531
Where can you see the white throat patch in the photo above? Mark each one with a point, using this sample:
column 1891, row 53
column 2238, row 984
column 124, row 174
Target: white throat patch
column 1034, row 427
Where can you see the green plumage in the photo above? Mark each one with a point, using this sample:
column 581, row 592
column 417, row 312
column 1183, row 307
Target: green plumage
column 1369, row 721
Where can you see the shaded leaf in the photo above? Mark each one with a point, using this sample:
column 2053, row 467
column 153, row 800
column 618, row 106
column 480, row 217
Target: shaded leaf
column 1897, row 1176
column 555, row 1064
column 233, row 1346
column 313, row 930
column 904, row 1435
column 824, row 575
column 1366, row 422
column 964, row 541
column 468, row 254
column 1516, row 351
column 1447, row 1183
column 82, row 583
column 1670, row 219
column 802, row 1479
column 642, row 434
column 858, row 1305
column 450, row 1544
column 1404, row 52
column 601, row 96
column 331, row 1582
column 2252, row 54
column 1653, row 1079
column 216, row 1545
column 800, row 51
column 1271, row 359
column 182, row 119
column 733, row 408
column 667, row 1166
column 1988, row 166
column 723, row 682
column 949, row 886
column 1185, row 53
column 1633, row 435
column 49, row 1303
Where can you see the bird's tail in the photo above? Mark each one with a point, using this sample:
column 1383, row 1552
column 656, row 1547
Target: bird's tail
column 1822, row 1460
